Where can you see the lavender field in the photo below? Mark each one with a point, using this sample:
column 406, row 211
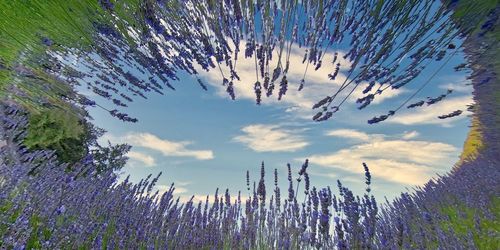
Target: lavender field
column 65, row 63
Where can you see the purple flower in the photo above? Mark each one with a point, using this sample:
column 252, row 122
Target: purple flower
column 47, row 42
column 61, row 209
column 283, row 87
column 106, row 4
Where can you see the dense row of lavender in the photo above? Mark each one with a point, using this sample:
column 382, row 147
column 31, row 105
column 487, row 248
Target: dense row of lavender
column 43, row 205
column 483, row 53
column 47, row 204
column 469, row 194
column 390, row 43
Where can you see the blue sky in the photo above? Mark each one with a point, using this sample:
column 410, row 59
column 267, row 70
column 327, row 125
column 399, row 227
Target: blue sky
column 204, row 140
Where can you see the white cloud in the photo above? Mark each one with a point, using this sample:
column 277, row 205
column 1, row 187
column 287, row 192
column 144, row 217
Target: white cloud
column 271, row 138
column 197, row 198
column 410, row 135
column 179, row 189
column 353, row 179
column 429, row 114
column 355, row 135
column 166, row 147
column 145, row 159
column 203, row 198
column 407, row 162
column 181, row 192
column 317, row 83
column 321, row 174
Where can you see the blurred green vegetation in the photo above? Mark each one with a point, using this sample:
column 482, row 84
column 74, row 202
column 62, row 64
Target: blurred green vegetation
column 471, row 15
column 473, row 143
column 53, row 124
column 58, row 130
column 70, row 24
column 24, row 25
column 462, row 220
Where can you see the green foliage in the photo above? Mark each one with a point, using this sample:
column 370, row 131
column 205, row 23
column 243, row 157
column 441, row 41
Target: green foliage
column 59, row 130
column 23, row 25
column 9, row 212
column 461, row 219
column 64, row 20
column 5, row 208
column 68, row 24
column 473, row 143
column 110, row 231
column 467, row 14
column 111, row 157
column 471, row 14
column 33, row 241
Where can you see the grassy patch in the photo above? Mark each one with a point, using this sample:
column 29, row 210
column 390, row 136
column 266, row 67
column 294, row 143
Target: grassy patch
column 28, row 30
column 108, row 234
column 461, row 219
column 471, row 14
column 473, row 143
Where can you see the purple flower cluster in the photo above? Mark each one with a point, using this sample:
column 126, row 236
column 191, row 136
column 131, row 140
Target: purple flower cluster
column 166, row 39
column 452, row 114
column 51, row 205
column 45, row 206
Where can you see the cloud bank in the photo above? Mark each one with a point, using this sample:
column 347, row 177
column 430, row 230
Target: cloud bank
column 166, row 147
column 402, row 161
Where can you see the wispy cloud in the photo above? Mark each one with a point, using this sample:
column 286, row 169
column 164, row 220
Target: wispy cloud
column 410, row 135
column 429, row 114
column 182, row 192
column 146, row 160
column 271, row 138
column 407, row 162
column 360, row 136
column 166, row 147
column 179, row 189
column 355, row 135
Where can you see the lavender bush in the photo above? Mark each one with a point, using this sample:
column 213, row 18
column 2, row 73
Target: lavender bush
column 51, row 207
column 47, row 203
column 128, row 49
